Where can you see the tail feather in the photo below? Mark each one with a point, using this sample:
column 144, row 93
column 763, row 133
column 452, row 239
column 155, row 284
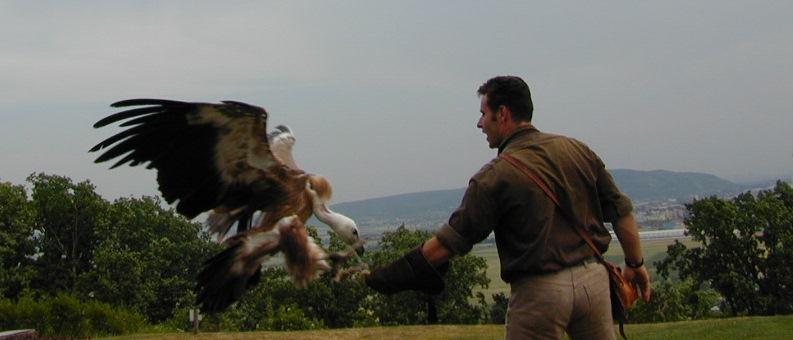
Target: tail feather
column 218, row 286
column 226, row 276
column 220, row 223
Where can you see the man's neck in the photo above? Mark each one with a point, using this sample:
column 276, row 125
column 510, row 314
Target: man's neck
column 517, row 127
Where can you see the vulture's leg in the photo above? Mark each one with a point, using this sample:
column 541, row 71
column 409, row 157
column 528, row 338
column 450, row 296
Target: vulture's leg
column 340, row 258
column 305, row 259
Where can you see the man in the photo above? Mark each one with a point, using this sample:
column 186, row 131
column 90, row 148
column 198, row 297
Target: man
column 556, row 285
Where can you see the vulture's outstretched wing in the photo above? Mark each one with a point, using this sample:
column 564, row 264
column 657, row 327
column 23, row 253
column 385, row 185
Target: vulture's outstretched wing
column 208, row 156
column 281, row 142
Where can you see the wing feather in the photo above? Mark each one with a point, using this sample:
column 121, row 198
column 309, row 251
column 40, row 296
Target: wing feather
column 148, row 101
column 207, row 156
column 124, row 115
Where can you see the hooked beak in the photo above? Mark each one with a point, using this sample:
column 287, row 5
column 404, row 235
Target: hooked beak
column 359, row 249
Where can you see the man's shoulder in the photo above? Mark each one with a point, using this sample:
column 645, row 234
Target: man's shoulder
column 491, row 171
column 571, row 141
column 559, row 137
column 544, row 140
column 486, row 169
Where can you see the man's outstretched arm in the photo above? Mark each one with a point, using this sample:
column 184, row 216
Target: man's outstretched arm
column 435, row 252
column 418, row 269
column 627, row 232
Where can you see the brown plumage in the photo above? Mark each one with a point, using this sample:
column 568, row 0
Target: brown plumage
column 219, row 158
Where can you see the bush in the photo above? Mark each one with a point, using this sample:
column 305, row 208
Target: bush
column 675, row 301
column 498, row 310
column 25, row 313
column 106, row 319
column 289, row 317
column 64, row 315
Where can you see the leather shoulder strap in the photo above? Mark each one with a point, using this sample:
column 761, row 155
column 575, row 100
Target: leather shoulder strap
column 540, row 183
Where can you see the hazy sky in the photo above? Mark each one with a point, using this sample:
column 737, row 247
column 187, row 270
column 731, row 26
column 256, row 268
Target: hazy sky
column 382, row 94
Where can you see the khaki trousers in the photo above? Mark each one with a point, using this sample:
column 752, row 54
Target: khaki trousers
column 575, row 300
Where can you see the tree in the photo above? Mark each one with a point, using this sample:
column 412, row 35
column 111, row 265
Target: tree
column 745, row 252
column 66, row 215
column 146, row 258
column 132, row 253
column 17, row 246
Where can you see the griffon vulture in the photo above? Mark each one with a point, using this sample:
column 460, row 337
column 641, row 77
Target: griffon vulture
column 219, row 158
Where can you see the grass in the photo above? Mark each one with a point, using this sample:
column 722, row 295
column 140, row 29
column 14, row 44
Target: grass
column 773, row 327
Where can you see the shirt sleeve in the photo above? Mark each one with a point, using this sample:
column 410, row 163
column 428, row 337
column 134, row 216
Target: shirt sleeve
column 471, row 223
column 613, row 202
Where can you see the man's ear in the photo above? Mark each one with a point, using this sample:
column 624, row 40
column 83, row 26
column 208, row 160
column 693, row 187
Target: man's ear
column 503, row 114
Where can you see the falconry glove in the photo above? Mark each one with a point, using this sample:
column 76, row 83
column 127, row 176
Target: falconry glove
column 410, row 272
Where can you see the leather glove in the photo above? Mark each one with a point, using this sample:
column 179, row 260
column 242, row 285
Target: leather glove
column 410, row 272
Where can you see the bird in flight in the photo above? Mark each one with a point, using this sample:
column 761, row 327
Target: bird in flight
column 219, row 158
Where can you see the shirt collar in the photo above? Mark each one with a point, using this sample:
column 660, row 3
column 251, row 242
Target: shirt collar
column 523, row 130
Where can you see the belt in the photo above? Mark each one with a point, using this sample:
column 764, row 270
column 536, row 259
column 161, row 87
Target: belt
column 523, row 277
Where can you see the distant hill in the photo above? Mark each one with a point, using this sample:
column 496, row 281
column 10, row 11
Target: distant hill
column 425, row 209
column 431, row 208
column 662, row 184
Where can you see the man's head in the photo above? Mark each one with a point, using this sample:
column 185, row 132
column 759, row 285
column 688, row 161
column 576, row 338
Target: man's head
column 506, row 104
column 511, row 92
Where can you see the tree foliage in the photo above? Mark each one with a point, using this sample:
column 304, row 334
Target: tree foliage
column 675, row 301
column 131, row 253
column 66, row 216
column 17, row 246
column 498, row 310
column 746, row 251
column 146, row 257
column 456, row 304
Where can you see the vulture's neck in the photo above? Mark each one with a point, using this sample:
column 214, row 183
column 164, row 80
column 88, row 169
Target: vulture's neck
column 324, row 214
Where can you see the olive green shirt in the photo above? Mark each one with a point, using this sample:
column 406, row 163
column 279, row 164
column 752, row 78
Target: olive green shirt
column 532, row 235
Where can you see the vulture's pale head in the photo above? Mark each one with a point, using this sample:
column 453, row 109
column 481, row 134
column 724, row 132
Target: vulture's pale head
column 320, row 192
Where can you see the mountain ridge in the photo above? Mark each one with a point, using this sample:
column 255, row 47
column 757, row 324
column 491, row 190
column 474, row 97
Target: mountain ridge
column 430, row 208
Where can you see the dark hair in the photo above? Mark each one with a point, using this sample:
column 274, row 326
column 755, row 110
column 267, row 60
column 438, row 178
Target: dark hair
column 511, row 92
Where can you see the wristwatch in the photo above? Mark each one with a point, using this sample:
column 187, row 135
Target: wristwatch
column 633, row 264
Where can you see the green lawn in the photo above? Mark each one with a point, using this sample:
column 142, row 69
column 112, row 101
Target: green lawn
column 775, row 327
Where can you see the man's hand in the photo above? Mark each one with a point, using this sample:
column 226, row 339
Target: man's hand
column 628, row 233
column 410, row 272
column 641, row 277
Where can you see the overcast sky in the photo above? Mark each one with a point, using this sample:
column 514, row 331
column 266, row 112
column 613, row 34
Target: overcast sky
column 382, row 94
